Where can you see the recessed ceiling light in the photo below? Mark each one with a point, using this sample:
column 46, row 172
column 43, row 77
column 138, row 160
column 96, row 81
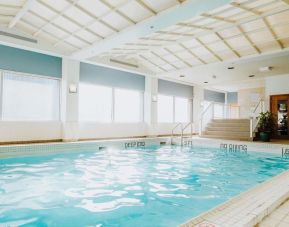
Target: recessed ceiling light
column 182, row 76
column 231, row 67
column 251, row 75
column 206, row 82
column 265, row 69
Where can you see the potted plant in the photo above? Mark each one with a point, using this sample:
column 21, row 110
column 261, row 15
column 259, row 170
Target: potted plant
column 266, row 125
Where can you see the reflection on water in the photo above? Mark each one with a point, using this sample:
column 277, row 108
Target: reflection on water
column 149, row 187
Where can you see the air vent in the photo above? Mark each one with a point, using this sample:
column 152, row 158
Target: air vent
column 123, row 63
column 23, row 38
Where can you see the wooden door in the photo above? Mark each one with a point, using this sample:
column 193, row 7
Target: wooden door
column 279, row 106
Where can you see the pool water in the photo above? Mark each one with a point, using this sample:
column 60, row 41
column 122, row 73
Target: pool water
column 156, row 186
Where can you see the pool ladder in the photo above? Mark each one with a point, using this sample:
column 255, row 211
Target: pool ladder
column 183, row 128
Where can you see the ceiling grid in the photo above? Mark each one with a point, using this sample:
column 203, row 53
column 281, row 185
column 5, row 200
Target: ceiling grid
column 236, row 30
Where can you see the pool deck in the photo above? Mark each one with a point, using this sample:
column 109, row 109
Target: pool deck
column 278, row 218
column 249, row 208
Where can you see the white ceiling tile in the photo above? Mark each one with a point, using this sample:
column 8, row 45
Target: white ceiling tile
column 66, row 24
column 78, row 15
column 54, row 31
column 34, row 19
column 38, row 8
column 135, row 11
column 59, row 5
column 117, row 21
column 94, row 7
column 101, row 29
column 160, row 5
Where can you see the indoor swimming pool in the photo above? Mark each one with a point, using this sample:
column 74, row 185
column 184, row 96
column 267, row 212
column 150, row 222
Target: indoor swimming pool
column 152, row 186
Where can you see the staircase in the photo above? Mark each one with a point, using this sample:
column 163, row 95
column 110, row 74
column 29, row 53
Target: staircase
column 233, row 129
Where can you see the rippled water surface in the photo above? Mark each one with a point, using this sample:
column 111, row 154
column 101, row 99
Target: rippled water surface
column 160, row 186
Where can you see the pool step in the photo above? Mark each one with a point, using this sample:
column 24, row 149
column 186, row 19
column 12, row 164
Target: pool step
column 233, row 129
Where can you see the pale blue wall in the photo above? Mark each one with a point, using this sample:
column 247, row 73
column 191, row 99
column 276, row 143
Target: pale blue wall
column 232, row 97
column 214, row 96
column 175, row 89
column 111, row 77
column 18, row 60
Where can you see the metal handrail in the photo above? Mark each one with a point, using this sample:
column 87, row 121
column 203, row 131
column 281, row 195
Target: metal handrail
column 253, row 124
column 179, row 124
column 183, row 130
column 203, row 113
column 256, row 107
column 187, row 125
column 202, row 116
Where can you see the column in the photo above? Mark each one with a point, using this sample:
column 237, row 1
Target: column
column 197, row 106
column 151, row 105
column 69, row 110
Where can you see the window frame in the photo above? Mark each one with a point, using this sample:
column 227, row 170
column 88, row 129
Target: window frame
column 2, row 72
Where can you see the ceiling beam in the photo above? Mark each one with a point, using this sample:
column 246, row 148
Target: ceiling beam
column 228, row 25
column 164, row 60
column 152, row 63
column 273, row 33
column 26, row 7
column 225, row 42
column 178, row 57
column 176, row 14
column 9, row 7
column 249, row 39
column 192, row 53
column 208, row 49
column 146, row 6
column 238, row 5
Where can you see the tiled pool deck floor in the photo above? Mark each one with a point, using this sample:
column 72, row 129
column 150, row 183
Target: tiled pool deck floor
column 278, row 218
column 260, row 207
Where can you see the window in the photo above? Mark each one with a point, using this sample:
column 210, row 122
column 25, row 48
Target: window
column 181, row 110
column 165, row 109
column 173, row 109
column 128, row 105
column 95, row 103
column 29, row 98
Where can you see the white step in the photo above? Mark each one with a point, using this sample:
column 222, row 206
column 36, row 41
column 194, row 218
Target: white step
column 229, row 124
column 227, row 133
column 231, row 121
column 227, row 137
column 232, row 129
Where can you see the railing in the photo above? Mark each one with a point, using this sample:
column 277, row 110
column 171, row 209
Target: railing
column 254, row 120
column 179, row 124
column 183, row 131
column 217, row 111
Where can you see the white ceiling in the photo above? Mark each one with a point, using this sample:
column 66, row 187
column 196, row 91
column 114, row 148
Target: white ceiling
column 201, row 45
column 237, row 78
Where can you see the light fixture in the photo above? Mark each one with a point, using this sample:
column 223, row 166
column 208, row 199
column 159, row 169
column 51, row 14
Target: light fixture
column 206, row 82
column 265, row 69
column 182, row 76
column 231, row 67
column 154, row 98
column 214, row 77
column 252, row 76
column 72, row 88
